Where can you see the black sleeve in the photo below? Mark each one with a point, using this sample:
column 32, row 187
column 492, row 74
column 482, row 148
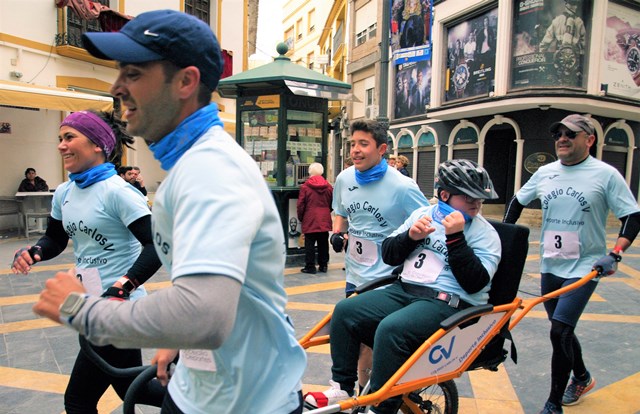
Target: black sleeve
column 396, row 249
column 465, row 265
column 148, row 262
column 513, row 211
column 54, row 241
column 630, row 226
column 140, row 188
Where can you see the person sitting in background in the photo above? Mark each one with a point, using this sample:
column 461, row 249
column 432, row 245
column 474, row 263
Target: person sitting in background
column 314, row 211
column 402, row 163
column 138, row 181
column 129, row 174
column 124, row 172
column 32, row 182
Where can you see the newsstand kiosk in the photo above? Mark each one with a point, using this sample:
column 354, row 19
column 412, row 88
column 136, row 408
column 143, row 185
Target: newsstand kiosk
column 282, row 122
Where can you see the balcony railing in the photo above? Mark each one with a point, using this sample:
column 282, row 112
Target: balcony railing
column 338, row 38
column 74, row 25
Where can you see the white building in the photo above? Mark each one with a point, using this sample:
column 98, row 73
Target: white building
column 45, row 74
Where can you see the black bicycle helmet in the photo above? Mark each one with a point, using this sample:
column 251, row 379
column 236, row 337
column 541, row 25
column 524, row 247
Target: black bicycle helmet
column 466, row 177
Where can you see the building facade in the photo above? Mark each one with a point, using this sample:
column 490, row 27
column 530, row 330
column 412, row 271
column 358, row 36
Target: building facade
column 484, row 79
column 45, row 74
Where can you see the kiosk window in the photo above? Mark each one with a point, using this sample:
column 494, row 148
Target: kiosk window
column 260, row 138
column 304, row 144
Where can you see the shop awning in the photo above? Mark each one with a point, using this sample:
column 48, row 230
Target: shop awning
column 40, row 97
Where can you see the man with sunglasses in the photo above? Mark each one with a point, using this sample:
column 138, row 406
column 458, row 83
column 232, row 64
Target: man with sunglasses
column 577, row 192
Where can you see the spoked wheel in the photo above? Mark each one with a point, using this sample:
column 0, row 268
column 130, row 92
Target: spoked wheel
column 435, row 399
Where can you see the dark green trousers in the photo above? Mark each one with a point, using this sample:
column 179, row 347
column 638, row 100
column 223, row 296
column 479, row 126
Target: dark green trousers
column 394, row 323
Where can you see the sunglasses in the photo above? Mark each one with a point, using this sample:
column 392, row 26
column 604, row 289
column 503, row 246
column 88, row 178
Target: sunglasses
column 569, row 134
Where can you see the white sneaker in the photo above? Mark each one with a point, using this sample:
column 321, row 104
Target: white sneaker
column 328, row 397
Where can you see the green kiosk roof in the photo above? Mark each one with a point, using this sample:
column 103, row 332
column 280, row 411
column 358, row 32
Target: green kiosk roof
column 281, row 74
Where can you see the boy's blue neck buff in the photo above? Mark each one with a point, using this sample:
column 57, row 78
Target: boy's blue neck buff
column 93, row 175
column 443, row 209
column 170, row 148
column 372, row 174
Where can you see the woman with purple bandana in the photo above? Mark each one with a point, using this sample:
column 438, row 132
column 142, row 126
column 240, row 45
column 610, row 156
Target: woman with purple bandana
column 110, row 225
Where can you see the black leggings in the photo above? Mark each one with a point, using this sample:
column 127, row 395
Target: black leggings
column 87, row 382
column 566, row 357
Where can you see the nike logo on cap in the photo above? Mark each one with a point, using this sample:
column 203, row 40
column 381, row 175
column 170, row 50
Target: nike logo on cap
column 150, row 33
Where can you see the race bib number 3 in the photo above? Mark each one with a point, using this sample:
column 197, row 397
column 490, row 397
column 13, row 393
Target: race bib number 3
column 561, row 245
column 363, row 251
column 423, row 266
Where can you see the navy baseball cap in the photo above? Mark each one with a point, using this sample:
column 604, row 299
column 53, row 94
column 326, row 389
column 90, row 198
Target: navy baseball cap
column 162, row 35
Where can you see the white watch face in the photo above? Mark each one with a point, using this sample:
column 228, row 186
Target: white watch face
column 72, row 304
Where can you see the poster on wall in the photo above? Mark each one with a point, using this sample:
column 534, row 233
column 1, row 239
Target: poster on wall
column 621, row 71
column 295, row 239
column 413, row 88
column 471, row 57
column 549, row 43
column 411, row 30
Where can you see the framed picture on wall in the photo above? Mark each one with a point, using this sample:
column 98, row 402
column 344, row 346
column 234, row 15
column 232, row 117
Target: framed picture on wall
column 471, row 57
column 549, row 43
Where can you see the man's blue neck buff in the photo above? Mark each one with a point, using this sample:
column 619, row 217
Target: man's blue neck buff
column 443, row 209
column 372, row 174
column 93, row 175
column 170, row 148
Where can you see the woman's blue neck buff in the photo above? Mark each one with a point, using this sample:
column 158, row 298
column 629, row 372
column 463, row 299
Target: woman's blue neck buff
column 93, row 175
column 372, row 174
column 170, row 148
column 443, row 209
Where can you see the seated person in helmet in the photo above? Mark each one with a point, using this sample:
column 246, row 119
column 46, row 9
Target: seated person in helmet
column 446, row 255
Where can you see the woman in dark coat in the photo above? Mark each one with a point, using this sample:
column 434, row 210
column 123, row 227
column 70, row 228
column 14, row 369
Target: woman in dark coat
column 314, row 211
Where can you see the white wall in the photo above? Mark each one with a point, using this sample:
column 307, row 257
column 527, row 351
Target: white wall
column 32, row 143
column 135, row 7
column 28, row 19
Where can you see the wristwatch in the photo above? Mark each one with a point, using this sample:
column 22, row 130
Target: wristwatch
column 71, row 306
column 127, row 284
column 633, row 63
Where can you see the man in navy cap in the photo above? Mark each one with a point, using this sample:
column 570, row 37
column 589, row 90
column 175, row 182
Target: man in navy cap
column 576, row 193
column 221, row 240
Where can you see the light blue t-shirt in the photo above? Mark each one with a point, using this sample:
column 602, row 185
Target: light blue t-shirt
column 575, row 203
column 96, row 220
column 373, row 210
column 429, row 263
column 214, row 214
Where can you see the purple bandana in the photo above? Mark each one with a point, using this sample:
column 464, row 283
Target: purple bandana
column 94, row 128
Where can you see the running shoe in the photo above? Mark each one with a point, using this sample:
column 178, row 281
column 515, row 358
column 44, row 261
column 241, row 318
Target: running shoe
column 576, row 389
column 551, row 408
column 327, row 397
